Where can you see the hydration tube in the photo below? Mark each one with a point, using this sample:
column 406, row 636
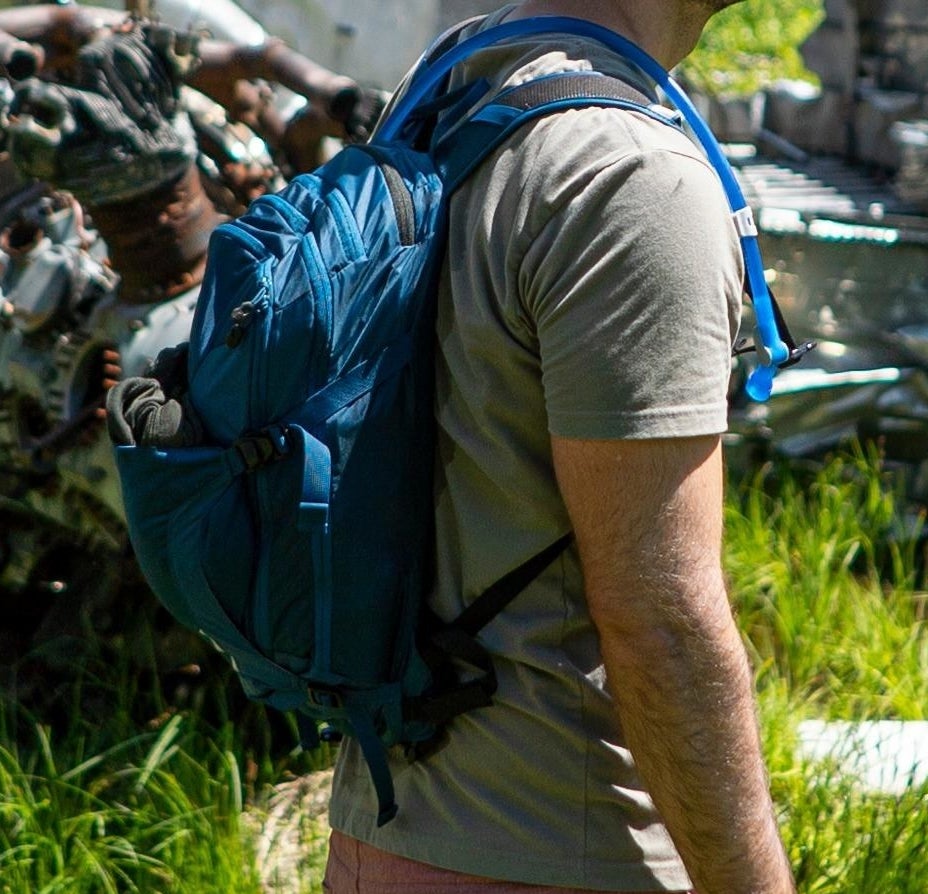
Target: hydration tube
column 772, row 350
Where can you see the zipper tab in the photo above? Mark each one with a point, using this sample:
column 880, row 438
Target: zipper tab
column 242, row 317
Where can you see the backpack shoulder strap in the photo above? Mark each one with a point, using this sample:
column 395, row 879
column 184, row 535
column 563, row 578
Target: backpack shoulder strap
column 568, row 86
column 468, row 143
column 456, row 154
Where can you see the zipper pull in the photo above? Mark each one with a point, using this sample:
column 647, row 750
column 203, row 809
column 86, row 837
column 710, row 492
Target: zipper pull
column 241, row 320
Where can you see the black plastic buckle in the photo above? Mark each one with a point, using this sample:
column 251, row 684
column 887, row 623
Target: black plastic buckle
column 324, row 698
column 263, row 447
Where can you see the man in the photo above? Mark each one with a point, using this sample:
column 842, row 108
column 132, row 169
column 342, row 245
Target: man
column 590, row 296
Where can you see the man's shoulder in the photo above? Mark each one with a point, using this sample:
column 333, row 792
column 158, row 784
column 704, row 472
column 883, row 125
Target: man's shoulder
column 583, row 144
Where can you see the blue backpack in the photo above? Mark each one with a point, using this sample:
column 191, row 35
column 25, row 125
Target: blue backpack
column 295, row 529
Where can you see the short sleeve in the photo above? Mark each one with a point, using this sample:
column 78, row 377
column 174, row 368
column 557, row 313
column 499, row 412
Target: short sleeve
column 633, row 286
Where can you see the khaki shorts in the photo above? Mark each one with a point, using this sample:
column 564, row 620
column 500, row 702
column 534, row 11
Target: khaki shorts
column 357, row 868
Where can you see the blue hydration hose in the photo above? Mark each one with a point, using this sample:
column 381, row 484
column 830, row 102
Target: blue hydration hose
column 772, row 350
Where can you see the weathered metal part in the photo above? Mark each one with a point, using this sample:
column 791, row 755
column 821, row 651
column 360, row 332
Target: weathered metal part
column 117, row 127
column 123, row 115
column 64, row 338
column 158, row 241
column 222, row 19
column 116, row 123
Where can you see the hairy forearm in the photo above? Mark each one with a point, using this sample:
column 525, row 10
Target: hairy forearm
column 648, row 521
column 684, row 699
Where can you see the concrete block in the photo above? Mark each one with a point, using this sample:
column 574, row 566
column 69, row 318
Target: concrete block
column 908, row 13
column 817, row 124
column 736, row 119
column 875, row 114
column 884, row 756
column 836, row 10
column 911, row 180
column 902, row 58
column 829, row 53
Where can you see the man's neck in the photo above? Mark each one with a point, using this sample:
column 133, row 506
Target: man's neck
column 665, row 29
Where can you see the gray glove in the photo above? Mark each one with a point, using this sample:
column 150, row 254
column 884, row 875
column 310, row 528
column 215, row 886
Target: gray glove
column 154, row 411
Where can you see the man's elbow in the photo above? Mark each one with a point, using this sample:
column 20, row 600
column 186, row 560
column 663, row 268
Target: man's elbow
column 660, row 619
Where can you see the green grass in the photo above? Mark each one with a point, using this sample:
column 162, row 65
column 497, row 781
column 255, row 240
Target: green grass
column 824, row 580
column 825, row 572
column 115, row 786
column 144, row 816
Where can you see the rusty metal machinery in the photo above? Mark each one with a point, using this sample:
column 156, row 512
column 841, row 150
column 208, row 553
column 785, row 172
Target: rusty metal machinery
column 124, row 140
column 64, row 338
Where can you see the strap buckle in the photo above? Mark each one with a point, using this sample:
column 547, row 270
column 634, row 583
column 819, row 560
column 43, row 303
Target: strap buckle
column 262, row 447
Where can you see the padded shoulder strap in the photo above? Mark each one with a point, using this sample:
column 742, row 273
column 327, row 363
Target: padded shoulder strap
column 469, row 143
column 571, row 85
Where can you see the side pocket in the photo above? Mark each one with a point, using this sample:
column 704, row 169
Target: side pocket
column 293, row 584
column 193, row 530
column 187, row 499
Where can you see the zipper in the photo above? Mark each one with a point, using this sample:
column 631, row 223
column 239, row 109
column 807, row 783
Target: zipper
column 257, row 309
column 242, row 317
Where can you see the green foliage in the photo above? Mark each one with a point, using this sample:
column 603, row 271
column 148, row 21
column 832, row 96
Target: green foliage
column 825, row 572
column 751, row 45
column 112, row 788
column 144, row 816
column 825, row 569
column 823, row 576
column 841, row 839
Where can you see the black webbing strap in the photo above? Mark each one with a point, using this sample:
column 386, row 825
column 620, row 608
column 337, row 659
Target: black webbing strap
column 451, row 654
column 449, row 648
column 494, row 599
column 572, row 85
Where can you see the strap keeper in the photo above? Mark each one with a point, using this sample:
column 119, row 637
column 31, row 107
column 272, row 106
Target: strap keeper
column 744, row 222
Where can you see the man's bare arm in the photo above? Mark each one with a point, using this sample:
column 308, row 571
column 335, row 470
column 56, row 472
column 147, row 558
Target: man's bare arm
column 648, row 520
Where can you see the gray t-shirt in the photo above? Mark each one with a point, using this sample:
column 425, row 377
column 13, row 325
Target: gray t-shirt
column 592, row 290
